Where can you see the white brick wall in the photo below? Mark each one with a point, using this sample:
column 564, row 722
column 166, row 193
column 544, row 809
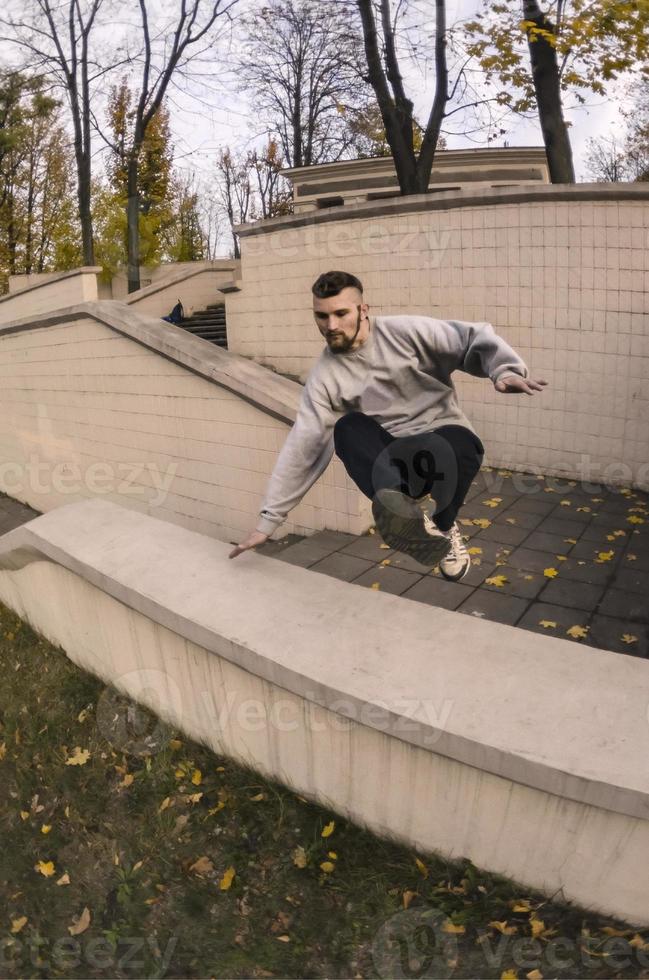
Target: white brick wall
column 85, row 411
column 565, row 283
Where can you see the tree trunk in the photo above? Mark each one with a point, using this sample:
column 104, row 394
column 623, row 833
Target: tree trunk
column 83, row 197
column 545, row 75
column 132, row 222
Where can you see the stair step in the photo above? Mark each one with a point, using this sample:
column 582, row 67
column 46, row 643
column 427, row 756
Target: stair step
column 219, row 331
column 215, row 306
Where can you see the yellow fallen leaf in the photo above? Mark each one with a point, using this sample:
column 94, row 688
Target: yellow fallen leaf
column 79, row 757
column 547, row 624
column 561, row 558
column 451, row 928
column 631, row 557
column 215, row 809
column 565, row 503
column 521, row 905
column 422, row 867
column 46, row 868
column 570, row 540
column 629, row 638
column 385, row 547
column 497, row 580
column 537, row 925
column 24, row 814
column 197, row 777
column 202, row 866
column 18, row 924
column 175, row 744
column 127, row 780
column 635, row 520
column 332, row 854
column 578, row 632
column 165, row 803
column 226, row 880
column 81, row 924
column 639, row 943
column 327, row 866
column 585, row 510
column 407, row 898
column 375, row 585
column 604, row 556
column 510, row 520
column 550, row 572
column 611, row 931
column 299, row 857
column 45, row 829
column 491, row 503
column 258, row 798
column 481, row 522
column 534, row 975
column 64, row 879
column 386, row 561
column 475, row 550
column 328, row 830
column 509, row 975
column 503, row 927
column 193, row 797
column 283, row 939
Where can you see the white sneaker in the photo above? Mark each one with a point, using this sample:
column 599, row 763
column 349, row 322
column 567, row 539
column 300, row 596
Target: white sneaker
column 457, row 562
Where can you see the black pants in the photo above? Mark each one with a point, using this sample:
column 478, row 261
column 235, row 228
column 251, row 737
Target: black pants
column 442, row 462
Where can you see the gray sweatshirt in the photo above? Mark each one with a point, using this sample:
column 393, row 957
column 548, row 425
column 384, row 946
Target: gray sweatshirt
column 401, row 376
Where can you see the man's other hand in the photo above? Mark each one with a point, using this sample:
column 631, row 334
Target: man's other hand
column 515, row 383
column 252, row 541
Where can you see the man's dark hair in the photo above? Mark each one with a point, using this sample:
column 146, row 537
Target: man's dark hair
column 331, row 283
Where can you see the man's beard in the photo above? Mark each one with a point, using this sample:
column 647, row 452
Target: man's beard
column 348, row 341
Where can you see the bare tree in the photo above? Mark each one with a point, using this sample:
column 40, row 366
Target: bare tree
column 235, row 190
column 384, row 74
column 170, row 51
column 55, row 39
column 300, row 66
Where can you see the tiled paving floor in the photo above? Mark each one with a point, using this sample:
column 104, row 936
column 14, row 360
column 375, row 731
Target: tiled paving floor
column 596, row 540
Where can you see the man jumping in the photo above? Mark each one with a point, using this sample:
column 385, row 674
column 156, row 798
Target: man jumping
column 381, row 396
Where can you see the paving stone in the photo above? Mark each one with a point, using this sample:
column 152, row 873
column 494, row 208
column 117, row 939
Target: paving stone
column 307, row 552
column 599, row 532
column 272, row 548
column 563, row 616
column 576, row 595
column 409, row 564
column 579, row 517
column 639, row 561
column 523, row 518
column 610, row 519
column 624, row 605
column 490, row 605
column 530, row 560
column 589, row 550
column 631, row 580
column 477, row 510
column 607, row 632
column 392, row 580
column 491, row 552
column 345, row 567
column 587, row 571
column 565, row 527
column 369, row 547
column 438, row 592
column 509, row 534
column 554, row 543
column 532, row 504
column 521, row 583
column 334, row 539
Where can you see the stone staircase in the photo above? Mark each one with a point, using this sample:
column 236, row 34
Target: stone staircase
column 208, row 324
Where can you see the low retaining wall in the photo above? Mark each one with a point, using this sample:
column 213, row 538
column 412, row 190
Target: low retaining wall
column 194, row 284
column 98, row 400
column 519, row 751
column 50, row 292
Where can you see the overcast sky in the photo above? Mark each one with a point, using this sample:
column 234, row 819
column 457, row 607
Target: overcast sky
column 206, row 119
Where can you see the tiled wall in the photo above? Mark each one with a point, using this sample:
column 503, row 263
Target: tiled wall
column 85, row 411
column 564, row 282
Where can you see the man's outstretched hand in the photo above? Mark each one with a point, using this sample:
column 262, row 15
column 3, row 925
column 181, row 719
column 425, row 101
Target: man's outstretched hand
column 254, row 539
column 515, row 383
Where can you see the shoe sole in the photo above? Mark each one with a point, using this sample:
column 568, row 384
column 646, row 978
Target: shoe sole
column 400, row 523
column 455, row 578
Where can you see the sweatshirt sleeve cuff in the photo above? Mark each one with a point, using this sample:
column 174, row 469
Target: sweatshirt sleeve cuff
column 266, row 526
column 522, row 372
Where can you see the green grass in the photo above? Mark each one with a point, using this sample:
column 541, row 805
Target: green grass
column 129, row 860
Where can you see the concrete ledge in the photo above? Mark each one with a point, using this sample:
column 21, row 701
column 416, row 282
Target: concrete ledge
column 447, row 200
column 258, row 385
column 523, row 752
column 213, row 266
